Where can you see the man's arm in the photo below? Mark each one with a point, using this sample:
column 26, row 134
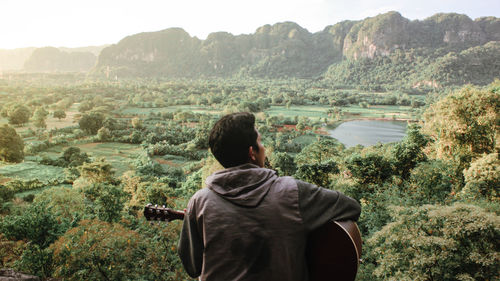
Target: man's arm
column 318, row 205
column 190, row 247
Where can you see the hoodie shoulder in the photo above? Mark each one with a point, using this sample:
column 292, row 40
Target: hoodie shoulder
column 244, row 185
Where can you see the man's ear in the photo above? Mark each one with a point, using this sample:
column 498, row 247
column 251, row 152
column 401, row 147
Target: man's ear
column 251, row 154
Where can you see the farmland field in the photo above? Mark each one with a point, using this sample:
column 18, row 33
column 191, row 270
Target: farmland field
column 52, row 123
column 349, row 112
column 299, row 110
column 118, row 155
column 172, row 160
column 30, row 171
column 377, row 111
column 148, row 110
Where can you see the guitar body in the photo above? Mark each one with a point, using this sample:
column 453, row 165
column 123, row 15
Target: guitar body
column 334, row 251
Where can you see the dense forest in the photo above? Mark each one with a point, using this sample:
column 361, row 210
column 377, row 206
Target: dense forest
column 85, row 146
column 81, row 158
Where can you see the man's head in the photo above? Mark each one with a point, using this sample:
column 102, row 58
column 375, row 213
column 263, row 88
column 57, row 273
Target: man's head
column 235, row 141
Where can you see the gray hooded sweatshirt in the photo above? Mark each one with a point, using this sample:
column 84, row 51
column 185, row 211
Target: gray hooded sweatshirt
column 250, row 224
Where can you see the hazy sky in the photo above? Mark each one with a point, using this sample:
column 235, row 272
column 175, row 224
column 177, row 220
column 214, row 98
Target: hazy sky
column 78, row 23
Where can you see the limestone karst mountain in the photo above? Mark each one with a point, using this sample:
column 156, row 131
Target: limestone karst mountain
column 288, row 50
column 388, row 49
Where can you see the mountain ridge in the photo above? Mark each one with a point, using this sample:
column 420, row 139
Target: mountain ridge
column 285, row 49
column 15, row 59
column 403, row 52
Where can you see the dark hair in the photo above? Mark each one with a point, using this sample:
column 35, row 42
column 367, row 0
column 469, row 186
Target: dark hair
column 231, row 137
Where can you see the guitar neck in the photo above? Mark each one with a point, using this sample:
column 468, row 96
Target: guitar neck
column 157, row 213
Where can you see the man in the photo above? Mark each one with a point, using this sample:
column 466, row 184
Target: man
column 248, row 223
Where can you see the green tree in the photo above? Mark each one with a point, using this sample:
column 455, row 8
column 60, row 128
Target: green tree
column 318, row 173
column 40, row 112
column 302, row 123
column 137, row 123
column 319, row 151
column 62, row 201
column 19, row 115
column 283, row 163
column 431, row 182
column 111, row 123
column 409, row 152
column 11, row 145
column 6, row 194
column 104, row 134
column 91, row 122
column 74, row 157
column 35, row 260
column 105, row 201
column 435, row 242
column 59, row 114
column 97, row 250
column 98, row 171
column 40, row 123
column 85, row 106
column 370, row 168
column 482, row 178
column 465, row 123
column 38, row 225
column 39, row 117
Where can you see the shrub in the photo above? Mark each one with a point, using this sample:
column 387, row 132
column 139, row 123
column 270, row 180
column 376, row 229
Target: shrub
column 318, row 174
column 11, row 145
column 98, row 250
column 37, row 223
column 434, row 242
column 105, row 201
column 431, row 182
column 370, row 168
column 483, row 178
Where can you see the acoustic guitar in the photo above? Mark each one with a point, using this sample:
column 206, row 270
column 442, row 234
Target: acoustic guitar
column 333, row 250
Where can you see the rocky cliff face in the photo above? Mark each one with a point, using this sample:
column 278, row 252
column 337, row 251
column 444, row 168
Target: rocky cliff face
column 377, row 36
column 288, row 50
column 381, row 35
column 490, row 26
column 283, row 49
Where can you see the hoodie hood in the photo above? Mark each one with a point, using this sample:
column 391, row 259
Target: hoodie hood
column 244, row 185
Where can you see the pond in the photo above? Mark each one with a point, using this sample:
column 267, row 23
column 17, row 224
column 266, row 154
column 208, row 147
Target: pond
column 369, row 132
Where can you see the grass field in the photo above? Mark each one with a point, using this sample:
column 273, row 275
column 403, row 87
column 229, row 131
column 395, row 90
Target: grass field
column 377, row 111
column 310, row 111
column 349, row 112
column 65, row 122
column 119, row 155
column 172, row 160
column 305, row 139
column 146, row 111
column 29, row 171
column 36, row 191
column 52, row 123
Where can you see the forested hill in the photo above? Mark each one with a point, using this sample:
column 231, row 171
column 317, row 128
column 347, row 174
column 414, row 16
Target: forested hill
column 444, row 49
column 49, row 59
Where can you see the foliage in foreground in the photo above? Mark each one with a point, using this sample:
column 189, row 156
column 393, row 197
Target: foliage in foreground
column 97, row 250
column 100, row 214
column 465, row 124
column 433, row 242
